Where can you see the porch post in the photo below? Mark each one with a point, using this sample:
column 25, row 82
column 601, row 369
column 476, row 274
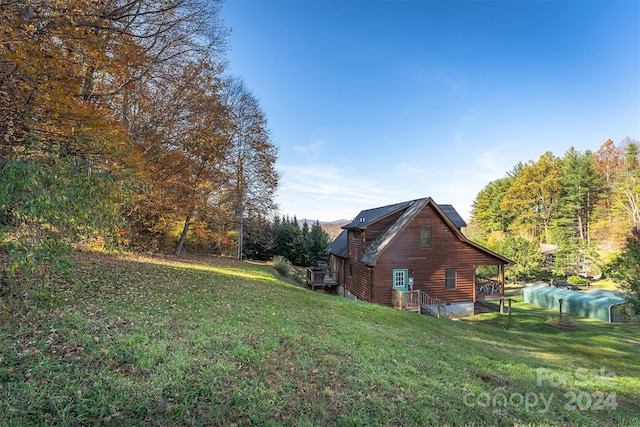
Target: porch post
column 475, row 284
column 501, row 271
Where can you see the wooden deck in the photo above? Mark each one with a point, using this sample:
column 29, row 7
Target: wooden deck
column 319, row 279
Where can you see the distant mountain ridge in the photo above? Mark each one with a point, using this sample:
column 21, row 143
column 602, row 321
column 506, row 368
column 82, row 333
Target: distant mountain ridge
column 333, row 228
column 310, row 222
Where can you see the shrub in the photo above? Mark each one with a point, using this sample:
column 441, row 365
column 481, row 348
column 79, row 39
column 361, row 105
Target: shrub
column 46, row 207
column 577, row 280
column 281, row 265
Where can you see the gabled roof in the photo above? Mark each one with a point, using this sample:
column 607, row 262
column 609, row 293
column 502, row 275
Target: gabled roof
column 369, row 216
column 411, row 208
column 339, row 246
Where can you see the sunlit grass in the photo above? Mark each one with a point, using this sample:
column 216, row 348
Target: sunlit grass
column 249, row 270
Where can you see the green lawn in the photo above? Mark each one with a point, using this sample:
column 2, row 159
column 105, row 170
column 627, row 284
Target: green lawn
column 161, row 343
column 605, row 284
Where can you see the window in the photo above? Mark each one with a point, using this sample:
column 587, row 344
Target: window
column 425, row 237
column 450, row 278
column 400, row 279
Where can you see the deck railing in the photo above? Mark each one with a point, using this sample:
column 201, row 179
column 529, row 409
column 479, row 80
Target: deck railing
column 436, row 307
column 418, row 301
column 315, row 275
column 318, row 278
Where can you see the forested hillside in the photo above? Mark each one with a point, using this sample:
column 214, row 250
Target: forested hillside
column 119, row 125
column 585, row 203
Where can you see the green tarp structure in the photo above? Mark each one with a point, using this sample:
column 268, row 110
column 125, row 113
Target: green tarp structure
column 596, row 303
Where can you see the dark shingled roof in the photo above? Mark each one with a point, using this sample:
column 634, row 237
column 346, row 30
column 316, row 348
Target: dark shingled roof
column 368, row 216
column 339, row 246
column 453, row 215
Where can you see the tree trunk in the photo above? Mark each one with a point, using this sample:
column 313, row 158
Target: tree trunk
column 580, row 227
column 187, row 221
column 240, row 232
column 183, row 236
column 240, row 217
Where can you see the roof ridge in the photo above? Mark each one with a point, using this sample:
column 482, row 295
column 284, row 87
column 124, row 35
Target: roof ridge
column 368, row 216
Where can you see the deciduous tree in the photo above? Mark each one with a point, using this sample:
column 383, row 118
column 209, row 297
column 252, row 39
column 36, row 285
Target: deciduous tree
column 533, row 197
column 627, row 191
column 486, row 209
column 250, row 165
column 627, row 269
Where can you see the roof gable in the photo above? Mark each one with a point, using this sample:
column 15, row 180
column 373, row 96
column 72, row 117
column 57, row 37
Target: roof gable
column 383, row 241
column 449, row 215
column 408, row 210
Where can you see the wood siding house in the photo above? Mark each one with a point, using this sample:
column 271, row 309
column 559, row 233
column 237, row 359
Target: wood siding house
column 414, row 246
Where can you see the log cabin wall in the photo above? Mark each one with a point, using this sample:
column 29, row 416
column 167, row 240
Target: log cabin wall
column 357, row 274
column 374, row 230
column 341, row 273
column 360, row 281
column 336, row 267
column 427, row 265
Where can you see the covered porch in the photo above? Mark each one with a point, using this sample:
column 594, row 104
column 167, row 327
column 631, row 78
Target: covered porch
column 489, row 283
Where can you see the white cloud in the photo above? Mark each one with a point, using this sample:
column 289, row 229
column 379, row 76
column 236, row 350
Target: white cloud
column 326, row 192
column 311, row 151
column 331, row 189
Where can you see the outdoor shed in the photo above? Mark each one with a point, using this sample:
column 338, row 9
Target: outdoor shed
column 596, row 304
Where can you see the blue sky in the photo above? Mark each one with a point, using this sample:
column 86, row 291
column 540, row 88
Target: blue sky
column 378, row 102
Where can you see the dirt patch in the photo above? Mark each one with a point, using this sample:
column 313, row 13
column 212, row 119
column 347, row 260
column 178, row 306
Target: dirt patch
column 563, row 326
column 481, row 308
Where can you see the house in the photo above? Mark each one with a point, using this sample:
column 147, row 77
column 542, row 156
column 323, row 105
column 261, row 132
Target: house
column 388, row 253
column 549, row 251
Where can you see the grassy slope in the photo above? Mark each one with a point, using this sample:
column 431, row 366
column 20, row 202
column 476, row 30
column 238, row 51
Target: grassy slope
column 153, row 342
